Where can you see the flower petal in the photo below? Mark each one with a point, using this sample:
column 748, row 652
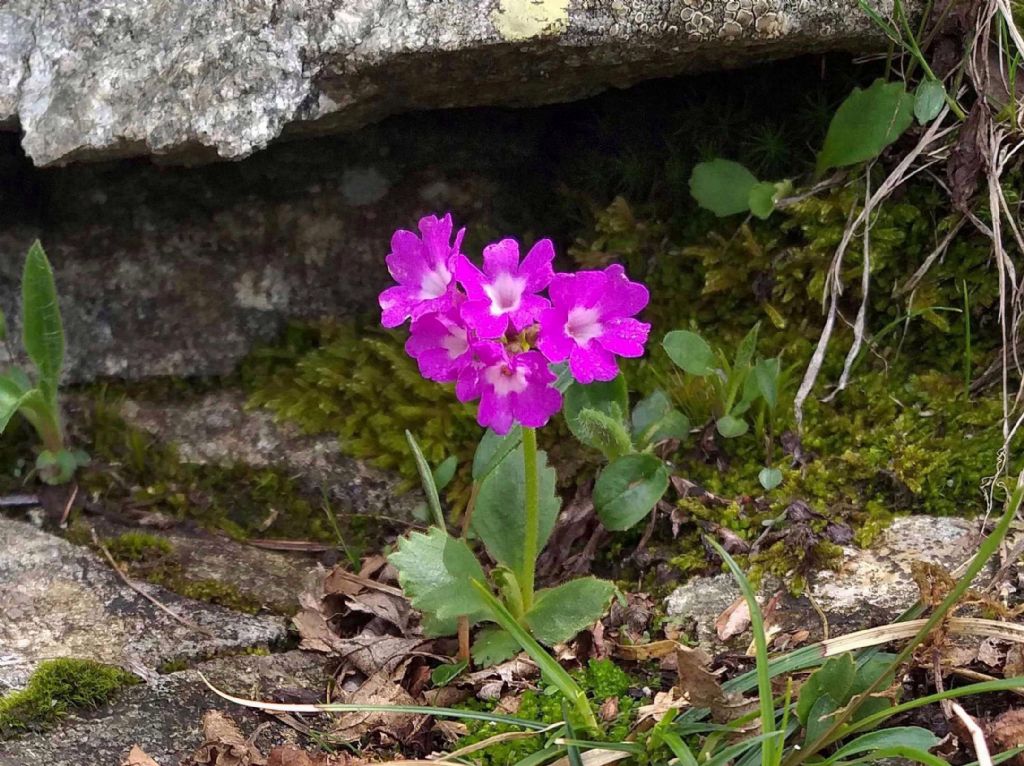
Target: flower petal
column 622, row 298
column 625, row 336
column 501, row 258
column 397, row 304
column 495, row 412
column 477, row 315
column 470, row 277
column 536, row 266
column 591, row 363
column 553, row 341
column 530, row 309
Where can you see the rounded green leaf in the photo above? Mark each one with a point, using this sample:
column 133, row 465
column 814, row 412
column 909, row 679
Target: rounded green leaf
column 655, row 420
column 560, row 613
column 761, row 199
column 722, row 186
column 690, row 352
column 730, row 427
column 929, row 98
column 865, row 123
column 435, row 570
column 628, row 488
column 769, row 478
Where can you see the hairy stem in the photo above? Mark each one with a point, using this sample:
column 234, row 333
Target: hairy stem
column 531, row 531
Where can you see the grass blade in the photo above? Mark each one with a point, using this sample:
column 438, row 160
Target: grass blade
column 427, row 480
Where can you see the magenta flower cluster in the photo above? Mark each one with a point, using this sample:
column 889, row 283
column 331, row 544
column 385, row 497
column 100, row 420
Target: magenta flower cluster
column 492, row 331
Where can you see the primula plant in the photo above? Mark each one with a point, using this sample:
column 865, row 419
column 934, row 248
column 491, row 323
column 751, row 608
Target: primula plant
column 36, row 397
column 513, row 336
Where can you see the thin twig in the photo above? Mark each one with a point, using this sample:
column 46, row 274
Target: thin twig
column 67, row 508
column 977, row 735
column 184, row 621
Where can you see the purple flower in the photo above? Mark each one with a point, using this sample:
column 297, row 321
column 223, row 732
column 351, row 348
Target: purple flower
column 590, row 321
column 440, row 344
column 513, row 388
column 505, row 290
column 422, row 265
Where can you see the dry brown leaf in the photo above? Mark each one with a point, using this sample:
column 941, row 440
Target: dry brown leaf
column 379, row 689
column 734, row 620
column 224, row 745
column 609, row 709
column 293, row 755
column 701, row 687
column 1014, row 666
column 784, row 642
column 990, row 654
column 663, row 702
column 1007, row 731
column 641, row 652
column 138, row 757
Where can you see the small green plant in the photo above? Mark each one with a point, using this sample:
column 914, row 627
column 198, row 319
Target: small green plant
column 56, row 688
column 38, row 400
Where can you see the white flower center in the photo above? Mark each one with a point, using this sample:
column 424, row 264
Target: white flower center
column 506, row 293
column 456, row 342
column 583, row 325
column 506, row 380
column 435, row 282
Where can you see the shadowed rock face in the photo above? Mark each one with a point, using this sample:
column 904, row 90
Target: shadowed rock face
column 89, row 79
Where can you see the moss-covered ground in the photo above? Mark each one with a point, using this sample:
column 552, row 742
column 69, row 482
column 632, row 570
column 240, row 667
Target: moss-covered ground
column 56, row 688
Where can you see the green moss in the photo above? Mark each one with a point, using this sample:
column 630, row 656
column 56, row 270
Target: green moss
column 213, row 592
column 56, row 688
column 172, row 666
column 361, row 385
column 138, row 546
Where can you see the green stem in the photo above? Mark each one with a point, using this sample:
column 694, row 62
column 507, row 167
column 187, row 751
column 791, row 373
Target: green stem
column 531, row 532
column 549, row 667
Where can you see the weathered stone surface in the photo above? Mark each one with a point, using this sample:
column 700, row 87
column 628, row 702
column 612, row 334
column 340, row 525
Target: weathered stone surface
column 873, row 587
column 59, row 600
column 163, row 716
column 217, row 428
column 104, row 78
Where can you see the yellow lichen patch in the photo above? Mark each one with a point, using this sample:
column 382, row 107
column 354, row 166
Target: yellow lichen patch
column 522, row 19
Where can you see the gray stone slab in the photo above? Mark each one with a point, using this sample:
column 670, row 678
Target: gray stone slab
column 163, row 716
column 60, row 600
column 188, row 80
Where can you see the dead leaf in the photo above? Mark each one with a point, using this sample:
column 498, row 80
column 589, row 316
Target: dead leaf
column 967, row 158
column 702, row 688
column 663, row 702
column 734, row 620
column 609, row 709
column 137, row 757
column 1007, row 731
column 784, row 642
column 1014, row 666
column 642, row 652
column 224, row 745
column 379, row 689
column 293, row 755
column 990, row 653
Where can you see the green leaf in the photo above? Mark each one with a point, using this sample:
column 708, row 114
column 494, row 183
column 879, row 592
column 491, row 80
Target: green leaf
column 730, row 426
column 834, row 680
column 499, row 514
column 493, row 645
column 901, row 736
column 56, row 467
column 761, row 199
column 13, row 396
column 655, row 420
column 443, row 675
column 929, row 98
column 604, row 433
column 766, row 377
column 690, row 352
column 745, row 351
column 435, row 570
column 722, row 186
column 42, row 329
column 769, row 478
column 560, row 613
column 426, row 480
column 445, row 472
column 611, row 398
column 865, row 123
column 628, row 489
column 493, row 449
